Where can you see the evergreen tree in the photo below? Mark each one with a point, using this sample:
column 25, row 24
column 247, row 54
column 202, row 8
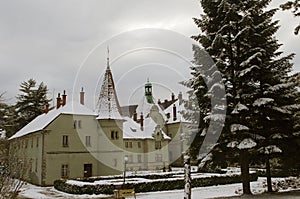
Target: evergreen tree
column 206, row 104
column 31, row 102
column 8, row 117
column 239, row 36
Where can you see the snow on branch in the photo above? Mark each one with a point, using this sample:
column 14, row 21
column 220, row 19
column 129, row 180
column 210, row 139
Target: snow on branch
column 232, row 144
column 238, row 127
column 256, row 55
column 296, row 134
column 280, row 87
column 270, row 149
column 247, row 70
column 242, row 32
column 278, row 136
column 262, row 101
column 239, row 107
column 207, row 158
column 282, row 110
column 247, row 143
column 215, row 117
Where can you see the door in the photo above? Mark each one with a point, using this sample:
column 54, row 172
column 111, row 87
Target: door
column 88, row 170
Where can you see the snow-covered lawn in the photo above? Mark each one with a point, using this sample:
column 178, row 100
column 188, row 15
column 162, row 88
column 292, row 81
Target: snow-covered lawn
column 257, row 187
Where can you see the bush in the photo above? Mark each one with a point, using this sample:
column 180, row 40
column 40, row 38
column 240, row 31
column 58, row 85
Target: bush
column 155, row 185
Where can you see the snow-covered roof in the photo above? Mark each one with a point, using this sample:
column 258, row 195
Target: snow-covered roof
column 132, row 130
column 42, row 121
column 179, row 111
column 145, row 107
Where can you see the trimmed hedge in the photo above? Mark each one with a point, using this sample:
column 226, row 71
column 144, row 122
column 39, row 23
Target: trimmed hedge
column 156, row 185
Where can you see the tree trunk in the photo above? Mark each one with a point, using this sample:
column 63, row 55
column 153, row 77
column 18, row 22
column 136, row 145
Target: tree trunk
column 244, row 157
column 268, row 171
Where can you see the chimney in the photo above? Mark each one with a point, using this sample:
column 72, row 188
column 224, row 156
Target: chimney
column 180, row 98
column 173, row 97
column 58, row 101
column 174, row 113
column 135, row 116
column 82, row 96
column 142, row 121
column 47, row 108
column 159, row 102
column 64, row 98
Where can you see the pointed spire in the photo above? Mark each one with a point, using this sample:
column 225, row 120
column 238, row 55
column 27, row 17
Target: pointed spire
column 108, row 67
column 108, row 106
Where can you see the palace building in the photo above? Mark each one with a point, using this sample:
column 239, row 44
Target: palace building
column 72, row 141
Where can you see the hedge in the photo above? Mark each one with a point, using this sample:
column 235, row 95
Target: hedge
column 155, row 185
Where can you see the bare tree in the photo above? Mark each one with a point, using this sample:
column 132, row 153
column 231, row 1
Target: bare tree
column 12, row 171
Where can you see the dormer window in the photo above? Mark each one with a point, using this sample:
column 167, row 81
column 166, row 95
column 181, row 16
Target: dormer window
column 114, row 135
column 158, row 145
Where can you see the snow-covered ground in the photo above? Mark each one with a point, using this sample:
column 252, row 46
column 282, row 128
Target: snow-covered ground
column 257, row 187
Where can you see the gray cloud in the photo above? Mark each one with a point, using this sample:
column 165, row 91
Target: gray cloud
column 48, row 40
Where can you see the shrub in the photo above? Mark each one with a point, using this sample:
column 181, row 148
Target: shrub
column 149, row 186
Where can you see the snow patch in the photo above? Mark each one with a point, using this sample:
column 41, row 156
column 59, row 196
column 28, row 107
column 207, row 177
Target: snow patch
column 270, row 149
column 232, row 144
column 262, row 101
column 238, row 108
column 238, row 127
column 247, row 143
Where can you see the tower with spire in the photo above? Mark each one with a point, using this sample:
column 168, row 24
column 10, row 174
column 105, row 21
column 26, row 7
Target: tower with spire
column 148, row 92
column 108, row 106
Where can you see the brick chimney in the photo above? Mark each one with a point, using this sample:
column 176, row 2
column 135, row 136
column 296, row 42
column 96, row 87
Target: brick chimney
column 173, row 97
column 180, row 97
column 47, row 108
column 58, row 101
column 174, row 113
column 142, row 121
column 64, row 98
column 135, row 116
column 82, row 96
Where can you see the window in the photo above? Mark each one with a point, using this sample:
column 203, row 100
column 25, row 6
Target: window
column 36, row 164
column 158, row 157
column 30, row 165
column 26, row 143
column 31, row 142
column 75, row 124
column 65, row 141
column 139, row 158
column 64, row 171
column 37, row 141
column 139, row 145
column 158, row 145
column 87, row 140
column 112, row 135
column 128, row 144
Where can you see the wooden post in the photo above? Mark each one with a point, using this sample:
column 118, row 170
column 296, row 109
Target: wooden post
column 187, row 177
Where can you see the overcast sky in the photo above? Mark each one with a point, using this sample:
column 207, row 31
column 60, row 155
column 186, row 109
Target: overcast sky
column 63, row 43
